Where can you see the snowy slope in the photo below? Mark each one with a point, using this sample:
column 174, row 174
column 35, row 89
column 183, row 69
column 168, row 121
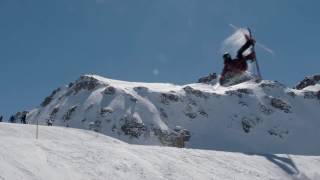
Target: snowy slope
column 66, row 153
column 264, row 117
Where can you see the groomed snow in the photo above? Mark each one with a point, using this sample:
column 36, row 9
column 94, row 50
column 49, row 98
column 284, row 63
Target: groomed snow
column 66, row 153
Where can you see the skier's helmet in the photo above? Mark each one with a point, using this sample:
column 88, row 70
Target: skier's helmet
column 226, row 56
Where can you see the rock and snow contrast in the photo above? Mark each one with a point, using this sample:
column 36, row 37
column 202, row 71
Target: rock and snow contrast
column 69, row 154
column 265, row 117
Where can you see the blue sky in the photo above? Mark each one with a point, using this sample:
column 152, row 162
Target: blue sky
column 45, row 44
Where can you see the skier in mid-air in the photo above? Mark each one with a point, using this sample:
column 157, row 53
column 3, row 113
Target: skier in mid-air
column 236, row 67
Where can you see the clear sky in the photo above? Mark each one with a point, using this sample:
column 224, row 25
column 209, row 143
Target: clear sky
column 45, row 44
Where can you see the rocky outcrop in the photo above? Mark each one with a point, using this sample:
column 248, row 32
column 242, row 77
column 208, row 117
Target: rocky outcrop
column 195, row 92
column 210, row 79
column 167, row 98
column 166, row 114
column 308, row 81
column 19, row 117
column 84, row 83
column 48, row 99
column 132, row 126
column 281, row 105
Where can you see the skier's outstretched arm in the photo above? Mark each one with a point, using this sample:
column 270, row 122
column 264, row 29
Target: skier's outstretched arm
column 243, row 49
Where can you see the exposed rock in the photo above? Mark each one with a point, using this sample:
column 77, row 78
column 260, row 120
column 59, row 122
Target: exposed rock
column 191, row 115
column 132, row 98
column 271, row 84
column 182, row 135
column 280, row 104
column 176, row 138
column 52, row 117
column 95, row 126
column 278, row 132
column 211, row 78
column 142, row 91
column 70, row 85
column 48, row 99
column 245, row 91
column 106, row 111
column 308, row 81
column 249, row 122
column 163, row 113
column 19, row 117
column 291, row 93
column 265, row 110
column 166, row 98
column 84, row 83
column 195, row 92
column 109, row 90
column 234, row 93
column 67, row 116
column 243, row 104
column 132, row 127
column 189, row 112
column 203, row 113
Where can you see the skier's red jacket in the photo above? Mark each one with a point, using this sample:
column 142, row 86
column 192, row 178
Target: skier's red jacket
column 238, row 65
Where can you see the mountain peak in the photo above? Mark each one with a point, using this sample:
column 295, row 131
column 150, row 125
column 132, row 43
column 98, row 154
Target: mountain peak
column 251, row 117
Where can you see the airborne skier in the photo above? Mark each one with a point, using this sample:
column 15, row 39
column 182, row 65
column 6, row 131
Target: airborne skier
column 236, row 67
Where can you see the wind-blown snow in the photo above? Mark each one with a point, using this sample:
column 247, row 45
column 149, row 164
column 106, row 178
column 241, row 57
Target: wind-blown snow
column 68, row 154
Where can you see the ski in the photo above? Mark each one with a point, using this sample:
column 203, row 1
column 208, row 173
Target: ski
column 255, row 58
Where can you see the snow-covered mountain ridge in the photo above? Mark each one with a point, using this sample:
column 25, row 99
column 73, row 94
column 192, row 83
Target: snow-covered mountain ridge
column 248, row 117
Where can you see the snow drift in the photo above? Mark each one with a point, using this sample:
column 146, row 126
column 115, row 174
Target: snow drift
column 68, row 154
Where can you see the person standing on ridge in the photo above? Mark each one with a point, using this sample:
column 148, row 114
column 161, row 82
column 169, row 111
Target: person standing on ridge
column 237, row 66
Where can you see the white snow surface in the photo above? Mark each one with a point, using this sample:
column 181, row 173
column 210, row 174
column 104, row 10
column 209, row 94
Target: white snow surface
column 69, row 154
column 265, row 117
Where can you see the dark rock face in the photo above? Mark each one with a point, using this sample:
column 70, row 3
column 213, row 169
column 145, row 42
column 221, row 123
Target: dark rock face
column 191, row 115
column 272, row 84
column 48, row 99
column 245, row 91
column 203, row 113
column 95, row 126
column 278, row 132
column 195, row 92
column 132, row 127
column 176, row 137
column 212, row 77
column 292, row 94
column 68, row 115
column 106, row 111
column 132, row 98
column 142, row 91
column 265, row 110
column 109, row 90
column 308, row 81
column 19, row 117
column 280, row 104
column 52, row 116
column 163, row 113
column 84, row 83
column 189, row 111
column 239, row 92
column 166, row 98
column 249, row 122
